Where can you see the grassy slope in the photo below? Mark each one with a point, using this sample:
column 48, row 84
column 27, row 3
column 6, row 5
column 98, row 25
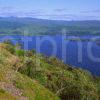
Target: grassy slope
column 63, row 80
column 21, row 76
column 15, row 86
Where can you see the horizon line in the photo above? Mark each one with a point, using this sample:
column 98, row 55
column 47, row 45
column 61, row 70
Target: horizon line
column 48, row 18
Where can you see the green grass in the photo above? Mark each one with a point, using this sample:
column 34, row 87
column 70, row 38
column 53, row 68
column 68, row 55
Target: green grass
column 29, row 87
column 47, row 80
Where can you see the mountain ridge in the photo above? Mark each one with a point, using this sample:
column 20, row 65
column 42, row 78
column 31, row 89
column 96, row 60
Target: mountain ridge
column 14, row 26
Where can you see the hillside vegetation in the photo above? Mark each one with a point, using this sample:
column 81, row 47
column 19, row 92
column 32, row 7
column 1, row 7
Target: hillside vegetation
column 26, row 75
column 16, row 86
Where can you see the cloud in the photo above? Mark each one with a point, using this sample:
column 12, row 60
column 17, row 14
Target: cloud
column 7, row 9
column 10, row 11
column 58, row 14
column 90, row 11
column 60, row 10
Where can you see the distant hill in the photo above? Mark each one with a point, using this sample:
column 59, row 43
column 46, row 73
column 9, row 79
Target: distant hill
column 32, row 26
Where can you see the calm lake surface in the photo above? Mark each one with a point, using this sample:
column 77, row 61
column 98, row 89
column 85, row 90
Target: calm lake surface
column 80, row 51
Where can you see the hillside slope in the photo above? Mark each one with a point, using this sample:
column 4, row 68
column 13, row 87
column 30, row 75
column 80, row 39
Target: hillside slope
column 25, row 75
column 15, row 86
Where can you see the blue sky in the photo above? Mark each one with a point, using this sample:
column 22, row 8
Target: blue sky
column 52, row 9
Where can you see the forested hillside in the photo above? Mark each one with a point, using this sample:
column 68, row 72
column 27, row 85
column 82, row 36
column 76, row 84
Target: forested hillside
column 31, row 26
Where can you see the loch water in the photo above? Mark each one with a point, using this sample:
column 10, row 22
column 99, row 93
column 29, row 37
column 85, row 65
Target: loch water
column 80, row 51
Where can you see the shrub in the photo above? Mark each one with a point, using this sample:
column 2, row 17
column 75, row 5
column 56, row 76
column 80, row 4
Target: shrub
column 28, row 68
column 18, row 85
column 10, row 48
column 2, row 91
column 20, row 52
column 8, row 41
column 29, row 53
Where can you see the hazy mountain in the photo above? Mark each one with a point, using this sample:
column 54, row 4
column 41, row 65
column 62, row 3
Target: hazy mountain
column 14, row 25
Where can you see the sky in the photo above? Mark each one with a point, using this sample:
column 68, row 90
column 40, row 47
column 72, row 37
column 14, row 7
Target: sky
column 51, row 9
